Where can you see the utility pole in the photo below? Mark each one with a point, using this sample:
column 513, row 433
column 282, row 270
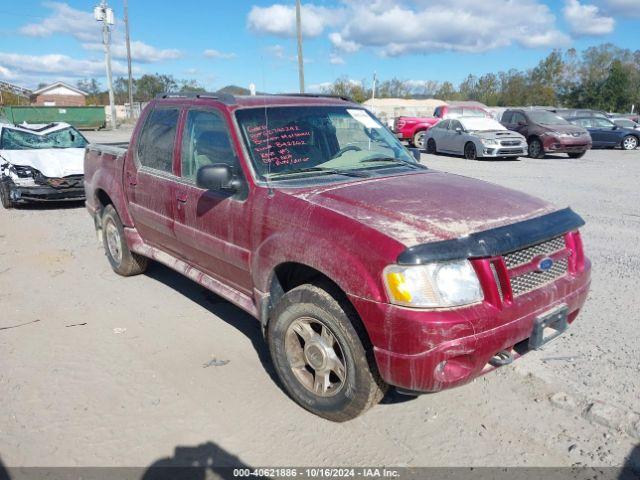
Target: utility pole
column 126, row 23
column 373, row 89
column 300, row 57
column 103, row 13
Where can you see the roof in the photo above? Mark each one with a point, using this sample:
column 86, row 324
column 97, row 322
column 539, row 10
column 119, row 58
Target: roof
column 36, row 128
column 59, row 84
column 464, row 103
column 403, row 102
column 242, row 101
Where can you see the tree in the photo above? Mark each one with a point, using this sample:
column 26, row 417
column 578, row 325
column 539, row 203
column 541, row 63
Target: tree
column 150, row 86
column 616, row 88
column 345, row 87
column 191, row 86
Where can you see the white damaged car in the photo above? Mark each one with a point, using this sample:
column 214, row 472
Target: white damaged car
column 41, row 163
column 475, row 137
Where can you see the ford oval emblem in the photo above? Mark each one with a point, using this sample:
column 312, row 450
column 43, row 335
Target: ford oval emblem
column 545, row 264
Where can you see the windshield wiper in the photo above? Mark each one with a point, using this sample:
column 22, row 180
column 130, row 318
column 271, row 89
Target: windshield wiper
column 333, row 171
column 385, row 158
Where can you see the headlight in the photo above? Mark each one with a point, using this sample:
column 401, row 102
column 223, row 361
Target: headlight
column 440, row 284
column 489, row 141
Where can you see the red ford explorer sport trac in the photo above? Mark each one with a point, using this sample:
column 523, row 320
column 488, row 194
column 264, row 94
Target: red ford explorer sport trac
column 365, row 268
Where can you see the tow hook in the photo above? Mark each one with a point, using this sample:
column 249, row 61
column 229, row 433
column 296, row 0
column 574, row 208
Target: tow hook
column 501, row 358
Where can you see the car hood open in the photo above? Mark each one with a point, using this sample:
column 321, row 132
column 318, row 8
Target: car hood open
column 51, row 162
column 427, row 206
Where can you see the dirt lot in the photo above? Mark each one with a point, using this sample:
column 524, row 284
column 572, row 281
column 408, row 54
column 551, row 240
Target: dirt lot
column 100, row 370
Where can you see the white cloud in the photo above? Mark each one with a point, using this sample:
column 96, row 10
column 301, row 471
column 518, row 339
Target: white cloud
column 140, row 51
column 587, row 19
column 213, row 53
column 399, row 27
column 81, row 25
column 6, row 73
column 335, row 59
column 57, row 64
column 280, row 20
column 627, row 8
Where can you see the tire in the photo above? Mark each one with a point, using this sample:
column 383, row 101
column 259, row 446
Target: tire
column 431, row 146
column 418, row 139
column 123, row 261
column 536, row 150
column 312, row 326
column 470, row 152
column 5, row 195
column 576, row 154
column 630, row 142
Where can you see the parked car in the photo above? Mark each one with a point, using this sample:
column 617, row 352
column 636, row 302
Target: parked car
column 40, row 163
column 606, row 134
column 475, row 137
column 626, row 123
column 569, row 113
column 546, row 132
column 413, row 129
column 365, row 268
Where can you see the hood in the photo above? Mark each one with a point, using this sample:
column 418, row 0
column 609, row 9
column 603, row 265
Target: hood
column 51, row 162
column 426, row 207
column 499, row 135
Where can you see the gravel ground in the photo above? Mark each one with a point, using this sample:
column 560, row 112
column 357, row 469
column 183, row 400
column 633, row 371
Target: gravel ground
column 100, row 370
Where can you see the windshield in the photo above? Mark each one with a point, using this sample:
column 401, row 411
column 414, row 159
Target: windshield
column 22, row 140
column 546, row 118
column 285, row 141
column 480, row 124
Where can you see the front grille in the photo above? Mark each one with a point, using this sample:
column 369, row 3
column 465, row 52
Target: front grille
column 510, row 151
column 510, row 143
column 66, row 182
column 526, row 255
column 529, row 281
column 532, row 280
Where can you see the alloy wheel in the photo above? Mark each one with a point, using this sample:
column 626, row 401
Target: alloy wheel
column 113, row 241
column 630, row 143
column 315, row 357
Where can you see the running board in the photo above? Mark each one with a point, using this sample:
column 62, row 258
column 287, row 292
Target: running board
column 137, row 245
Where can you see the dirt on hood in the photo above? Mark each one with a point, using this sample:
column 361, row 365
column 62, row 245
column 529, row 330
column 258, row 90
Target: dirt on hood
column 429, row 206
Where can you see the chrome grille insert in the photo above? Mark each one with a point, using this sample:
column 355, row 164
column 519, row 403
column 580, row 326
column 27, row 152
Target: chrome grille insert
column 533, row 280
column 526, row 255
column 529, row 281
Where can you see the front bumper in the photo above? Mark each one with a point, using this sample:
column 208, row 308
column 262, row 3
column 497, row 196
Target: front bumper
column 45, row 193
column 428, row 351
column 498, row 151
column 565, row 145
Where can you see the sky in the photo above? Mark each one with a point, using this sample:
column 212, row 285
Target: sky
column 220, row 42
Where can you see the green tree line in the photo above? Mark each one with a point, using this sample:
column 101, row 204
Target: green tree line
column 144, row 88
column 603, row 77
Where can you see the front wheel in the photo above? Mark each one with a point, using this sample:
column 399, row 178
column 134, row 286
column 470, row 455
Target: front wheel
column 629, row 142
column 5, row 195
column 576, row 154
column 319, row 356
column 123, row 261
column 535, row 149
column 470, row 152
column 418, row 140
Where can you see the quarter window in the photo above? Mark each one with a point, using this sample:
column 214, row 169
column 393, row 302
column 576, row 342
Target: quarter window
column 155, row 147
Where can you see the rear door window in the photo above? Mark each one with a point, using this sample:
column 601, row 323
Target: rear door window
column 157, row 139
column 518, row 118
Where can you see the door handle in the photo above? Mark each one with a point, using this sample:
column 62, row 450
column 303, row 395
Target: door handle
column 133, row 181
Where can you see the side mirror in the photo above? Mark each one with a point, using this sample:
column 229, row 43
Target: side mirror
column 218, row 176
column 522, row 124
column 416, row 153
column 459, row 131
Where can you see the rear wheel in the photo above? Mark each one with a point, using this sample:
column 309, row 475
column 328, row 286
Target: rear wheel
column 470, row 152
column 123, row 261
column 629, row 142
column 319, row 356
column 418, row 140
column 431, row 146
column 576, row 154
column 5, row 195
column 535, row 148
